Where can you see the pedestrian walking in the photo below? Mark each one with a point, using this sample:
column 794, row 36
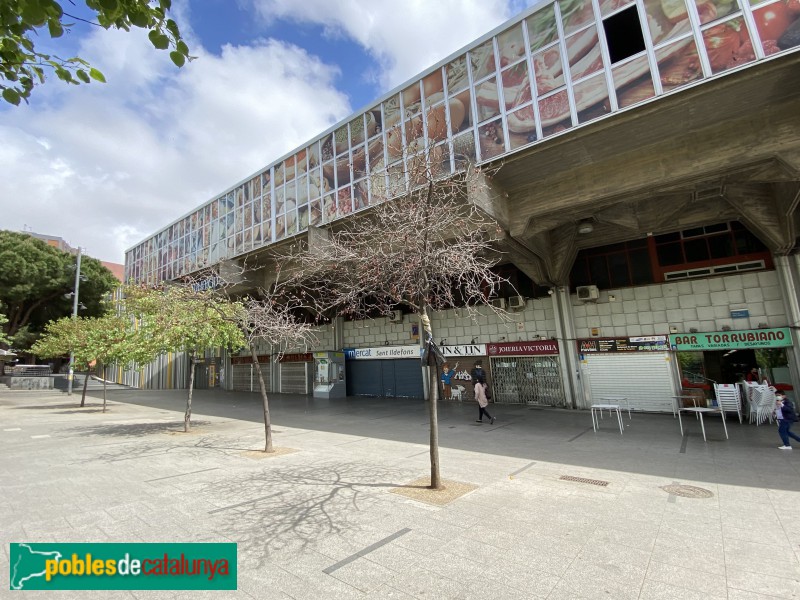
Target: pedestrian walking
column 483, row 402
column 788, row 417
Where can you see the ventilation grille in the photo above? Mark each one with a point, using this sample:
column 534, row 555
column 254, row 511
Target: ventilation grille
column 755, row 265
column 583, row 480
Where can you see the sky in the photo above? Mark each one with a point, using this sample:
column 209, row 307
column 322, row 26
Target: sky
column 106, row 165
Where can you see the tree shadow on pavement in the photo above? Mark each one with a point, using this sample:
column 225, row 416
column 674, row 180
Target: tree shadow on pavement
column 294, row 508
column 138, row 429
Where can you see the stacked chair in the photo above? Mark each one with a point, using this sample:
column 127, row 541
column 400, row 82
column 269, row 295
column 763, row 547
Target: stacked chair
column 729, row 398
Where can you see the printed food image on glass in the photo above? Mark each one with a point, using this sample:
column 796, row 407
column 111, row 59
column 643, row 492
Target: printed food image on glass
column 375, row 154
column 303, row 217
column 280, row 227
column 316, row 212
column 487, row 99
column 344, row 202
column 778, row 25
column 542, row 29
column 678, row 65
column 464, row 150
column 583, row 52
column 521, row 127
column 609, row 6
column 433, row 87
column 548, row 70
column 302, row 190
column 460, row 107
column 412, row 100
column 554, row 113
column 436, row 122
column 291, row 222
column 511, row 46
column 516, row 85
column 632, row 91
column 710, row 10
column 492, row 140
column 667, row 19
column 457, row 78
column 326, row 148
column 482, row 60
column 591, row 98
column 575, row 14
column 728, row 45
column 361, row 199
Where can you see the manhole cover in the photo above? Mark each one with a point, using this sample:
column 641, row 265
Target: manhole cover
column 583, row 480
column 687, row 491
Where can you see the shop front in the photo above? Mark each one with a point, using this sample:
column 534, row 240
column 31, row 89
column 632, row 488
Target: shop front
column 526, row 373
column 296, row 373
column 384, row 372
column 637, row 368
column 712, row 357
column 244, row 377
column 461, row 360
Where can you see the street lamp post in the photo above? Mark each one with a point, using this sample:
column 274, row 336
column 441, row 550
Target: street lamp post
column 74, row 316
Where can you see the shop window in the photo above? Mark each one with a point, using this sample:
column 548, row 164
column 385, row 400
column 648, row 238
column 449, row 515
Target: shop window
column 615, row 265
column 624, row 34
column 670, row 254
column 696, row 250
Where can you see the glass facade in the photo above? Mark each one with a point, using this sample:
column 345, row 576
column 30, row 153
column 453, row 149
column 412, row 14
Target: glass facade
column 562, row 65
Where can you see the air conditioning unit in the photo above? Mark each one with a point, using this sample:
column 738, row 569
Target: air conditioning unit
column 396, row 316
column 587, row 293
column 499, row 303
column 516, row 302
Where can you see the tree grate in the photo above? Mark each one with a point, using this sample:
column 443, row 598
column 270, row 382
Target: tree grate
column 583, row 480
column 687, row 491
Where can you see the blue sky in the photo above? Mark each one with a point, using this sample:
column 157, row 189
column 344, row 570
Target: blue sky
column 104, row 166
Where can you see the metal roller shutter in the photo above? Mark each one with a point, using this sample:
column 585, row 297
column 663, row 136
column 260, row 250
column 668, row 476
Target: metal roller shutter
column 407, row 379
column 245, row 379
column 364, row 378
column 645, row 378
column 294, row 378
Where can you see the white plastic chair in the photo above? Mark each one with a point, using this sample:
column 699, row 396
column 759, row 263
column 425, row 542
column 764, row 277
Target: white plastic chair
column 754, row 393
column 766, row 405
column 729, row 398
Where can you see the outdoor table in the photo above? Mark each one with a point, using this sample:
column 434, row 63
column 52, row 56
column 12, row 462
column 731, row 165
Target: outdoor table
column 618, row 400
column 676, row 404
column 700, row 411
column 609, row 408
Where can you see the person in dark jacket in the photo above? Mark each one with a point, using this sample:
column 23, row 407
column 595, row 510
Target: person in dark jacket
column 789, row 418
column 478, row 374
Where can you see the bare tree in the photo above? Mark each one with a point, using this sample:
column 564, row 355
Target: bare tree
column 428, row 248
column 272, row 318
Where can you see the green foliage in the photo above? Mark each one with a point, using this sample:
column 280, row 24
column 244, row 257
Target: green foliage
column 34, row 279
column 178, row 318
column 3, row 321
column 108, row 339
column 22, row 67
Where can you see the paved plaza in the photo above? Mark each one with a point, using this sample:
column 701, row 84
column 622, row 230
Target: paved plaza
column 321, row 522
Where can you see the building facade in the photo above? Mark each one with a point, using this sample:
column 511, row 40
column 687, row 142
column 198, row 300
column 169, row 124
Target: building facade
column 648, row 189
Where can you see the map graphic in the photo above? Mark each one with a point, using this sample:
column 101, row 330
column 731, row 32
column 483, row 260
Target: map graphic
column 27, row 564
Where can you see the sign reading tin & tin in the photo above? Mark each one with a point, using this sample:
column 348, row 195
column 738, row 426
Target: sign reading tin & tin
column 779, row 337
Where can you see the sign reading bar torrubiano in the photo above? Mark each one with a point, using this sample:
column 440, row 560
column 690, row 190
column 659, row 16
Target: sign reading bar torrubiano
column 650, row 343
column 532, row 348
column 722, row 340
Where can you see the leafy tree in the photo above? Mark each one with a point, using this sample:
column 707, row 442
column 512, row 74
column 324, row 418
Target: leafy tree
column 22, row 66
column 3, row 339
column 180, row 318
column 113, row 338
column 427, row 249
column 34, row 281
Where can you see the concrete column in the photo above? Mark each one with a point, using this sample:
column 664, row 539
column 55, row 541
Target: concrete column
column 568, row 357
column 787, row 268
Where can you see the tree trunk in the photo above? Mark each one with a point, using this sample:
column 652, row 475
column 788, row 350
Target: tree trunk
column 436, row 482
column 188, row 416
column 85, row 384
column 265, row 402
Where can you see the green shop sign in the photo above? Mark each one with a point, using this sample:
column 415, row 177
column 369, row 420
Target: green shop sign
column 725, row 340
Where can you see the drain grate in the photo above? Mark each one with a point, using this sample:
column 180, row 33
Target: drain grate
column 583, row 480
column 687, row 491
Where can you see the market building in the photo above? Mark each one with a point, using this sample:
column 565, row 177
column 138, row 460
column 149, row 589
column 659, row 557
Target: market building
column 648, row 191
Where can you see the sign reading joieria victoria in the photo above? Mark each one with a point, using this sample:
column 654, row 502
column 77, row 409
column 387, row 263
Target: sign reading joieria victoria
column 719, row 340
column 532, row 348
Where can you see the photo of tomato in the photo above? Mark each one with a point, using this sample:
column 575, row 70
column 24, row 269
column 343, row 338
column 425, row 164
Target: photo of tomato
column 723, row 43
column 772, row 20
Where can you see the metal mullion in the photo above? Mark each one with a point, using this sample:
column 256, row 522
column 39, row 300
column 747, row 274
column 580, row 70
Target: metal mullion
column 750, row 19
column 694, row 20
column 532, row 81
column 474, row 106
column 606, row 56
column 562, row 42
column 501, row 95
column 448, row 122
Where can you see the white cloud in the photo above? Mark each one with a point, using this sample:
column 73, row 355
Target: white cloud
column 103, row 166
column 404, row 38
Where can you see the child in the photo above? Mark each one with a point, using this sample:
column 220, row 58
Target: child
column 787, row 418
